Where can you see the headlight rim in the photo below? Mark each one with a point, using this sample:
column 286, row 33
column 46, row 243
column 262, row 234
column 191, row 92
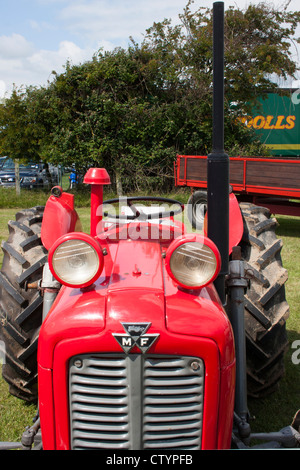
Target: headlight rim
column 82, row 237
column 190, row 238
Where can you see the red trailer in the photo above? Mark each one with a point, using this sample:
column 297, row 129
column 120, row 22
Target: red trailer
column 270, row 182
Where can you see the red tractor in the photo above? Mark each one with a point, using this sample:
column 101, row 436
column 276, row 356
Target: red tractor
column 133, row 336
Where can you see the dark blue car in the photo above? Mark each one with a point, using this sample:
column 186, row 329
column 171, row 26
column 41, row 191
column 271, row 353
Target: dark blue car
column 32, row 175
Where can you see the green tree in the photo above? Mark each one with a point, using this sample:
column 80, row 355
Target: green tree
column 19, row 137
column 111, row 112
column 258, row 49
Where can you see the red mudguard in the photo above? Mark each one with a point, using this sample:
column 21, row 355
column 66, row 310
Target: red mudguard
column 59, row 218
column 236, row 226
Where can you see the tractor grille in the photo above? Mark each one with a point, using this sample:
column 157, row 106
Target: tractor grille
column 136, row 402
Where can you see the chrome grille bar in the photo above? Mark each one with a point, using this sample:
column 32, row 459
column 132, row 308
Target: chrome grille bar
column 136, row 401
column 99, row 403
column 173, row 399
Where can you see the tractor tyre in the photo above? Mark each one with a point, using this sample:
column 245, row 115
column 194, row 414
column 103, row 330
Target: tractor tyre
column 20, row 306
column 197, row 206
column 266, row 309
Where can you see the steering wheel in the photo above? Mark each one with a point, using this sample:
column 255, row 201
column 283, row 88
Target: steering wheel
column 138, row 214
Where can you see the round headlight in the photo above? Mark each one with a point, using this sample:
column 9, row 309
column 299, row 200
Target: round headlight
column 193, row 261
column 76, row 260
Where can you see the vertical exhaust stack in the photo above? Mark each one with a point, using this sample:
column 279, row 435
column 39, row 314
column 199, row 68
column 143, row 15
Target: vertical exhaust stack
column 97, row 178
column 218, row 160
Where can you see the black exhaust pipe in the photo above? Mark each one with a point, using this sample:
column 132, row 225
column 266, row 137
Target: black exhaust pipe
column 218, row 160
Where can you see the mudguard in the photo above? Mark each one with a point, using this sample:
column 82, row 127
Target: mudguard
column 59, row 218
column 236, row 225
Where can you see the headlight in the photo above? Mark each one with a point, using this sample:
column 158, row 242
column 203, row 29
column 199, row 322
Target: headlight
column 193, row 261
column 76, row 260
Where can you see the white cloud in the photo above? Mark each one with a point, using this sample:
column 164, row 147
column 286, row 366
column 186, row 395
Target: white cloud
column 15, row 46
column 36, row 68
column 116, row 20
column 44, row 61
column 2, row 88
column 94, row 24
column 40, row 27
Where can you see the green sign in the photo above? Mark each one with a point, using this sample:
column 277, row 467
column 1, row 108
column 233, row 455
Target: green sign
column 277, row 123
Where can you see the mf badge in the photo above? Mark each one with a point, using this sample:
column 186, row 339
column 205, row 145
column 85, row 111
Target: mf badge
column 135, row 335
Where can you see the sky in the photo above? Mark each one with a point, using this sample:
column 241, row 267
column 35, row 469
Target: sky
column 40, row 36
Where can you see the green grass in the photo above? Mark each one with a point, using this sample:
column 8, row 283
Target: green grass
column 29, row 198
column 277, row 410
column 269, row 414
column 38, row 197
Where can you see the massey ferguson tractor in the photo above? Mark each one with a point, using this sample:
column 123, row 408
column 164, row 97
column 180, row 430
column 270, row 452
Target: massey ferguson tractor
column 140, row 335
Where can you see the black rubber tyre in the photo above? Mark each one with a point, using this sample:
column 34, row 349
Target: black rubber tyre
column 197, row 206
column 21, row 308
column 266, row 309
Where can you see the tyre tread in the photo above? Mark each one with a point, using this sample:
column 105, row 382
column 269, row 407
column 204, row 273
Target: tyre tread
column 21, row 317
column 266, row 309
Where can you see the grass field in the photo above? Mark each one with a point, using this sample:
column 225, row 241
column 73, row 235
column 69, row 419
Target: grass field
column 270, row 414
column 277, row 411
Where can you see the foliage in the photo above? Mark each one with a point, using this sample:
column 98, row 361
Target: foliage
column 257, row 49
column 18, row 134
column 132, row 110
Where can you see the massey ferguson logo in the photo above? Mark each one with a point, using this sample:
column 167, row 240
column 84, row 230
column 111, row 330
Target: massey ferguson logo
column 136, row 336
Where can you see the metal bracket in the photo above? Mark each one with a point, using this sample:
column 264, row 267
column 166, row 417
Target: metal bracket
column 238, row 276
column 29, row 435
column 286, row 438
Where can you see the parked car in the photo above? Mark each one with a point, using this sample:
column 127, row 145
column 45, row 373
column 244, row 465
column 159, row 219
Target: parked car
column 32, row 175
column 2, row 160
